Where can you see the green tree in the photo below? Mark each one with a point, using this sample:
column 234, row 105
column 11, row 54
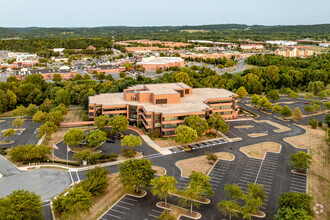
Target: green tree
column 316, row 87
column 131, row 141
column 74, row 204
column 198, row 187
column 122, row 74
column 96, row 181
column 47, row 129
column 55, row 117
column 159, row 70
column 57, row 77
column 87, row 77
column 277, row 109
column 286, row 111
column 87, row 155
column 166, row 215
column 309, row 109
column 297, row 115
column 297, row 201
column 309, row 96
column 273, row 95
column 31, row 109
column 300, row 160
column 21, row 204
column 63, row 96
column 61, row 108
column 12, row 98
column 162, row 186
column 227, row 207
column 119, row 123
column 95, row 138
column 78, row 76
column 74, row 136
column 8, row 133
column 241, row 92
column 101, row 76
column 288, row 213
column 313, row 123
column 327, row 119
column 218, row 123
column 136, row 173
column 29, row 152
column 17, row 123
column 197, row 123
column 101, row 121
column 185, row 135
column 327, row 105
column 46, row 106
column 39, row 116
column 19, row 111
column 254, row 99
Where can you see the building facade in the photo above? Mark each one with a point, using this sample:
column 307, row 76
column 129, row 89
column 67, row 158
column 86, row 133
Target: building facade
column 164, row 106
column 252, row 47
column 153, row 63
column 294, row 52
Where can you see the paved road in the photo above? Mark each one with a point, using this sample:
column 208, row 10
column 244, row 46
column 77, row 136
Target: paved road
column 44, row 182
column 108, row 148
column 239, row 67
column 29, row 136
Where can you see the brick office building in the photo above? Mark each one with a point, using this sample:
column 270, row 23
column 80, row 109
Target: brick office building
column 164, row 106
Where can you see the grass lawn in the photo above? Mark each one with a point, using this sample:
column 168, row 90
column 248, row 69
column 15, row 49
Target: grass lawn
column 318, row 174
column 187, row 166
column 259, row 150
column 75, row 114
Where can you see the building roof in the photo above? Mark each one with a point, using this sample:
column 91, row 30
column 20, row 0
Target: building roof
column 161, row 60
column 188, row 104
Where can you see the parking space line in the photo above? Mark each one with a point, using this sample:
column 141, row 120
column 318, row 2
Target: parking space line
column 117, row 211
column 126, row 203
column 122, row 207
column 133, row 200
column 153, row 216
column 156, row 211
column 113, row 215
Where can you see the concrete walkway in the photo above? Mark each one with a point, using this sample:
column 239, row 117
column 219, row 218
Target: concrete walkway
column 164, row 151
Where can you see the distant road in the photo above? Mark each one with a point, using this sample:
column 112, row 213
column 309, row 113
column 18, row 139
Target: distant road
column 239, row 67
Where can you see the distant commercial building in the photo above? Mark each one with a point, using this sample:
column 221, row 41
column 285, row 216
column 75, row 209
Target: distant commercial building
column 282, row 42
column 106, row 69
column 252, row 46
column 153, row 63
column 216, row 55
column 145, row 49
column 294, row 52
column 326, row 44
column 169, row 44
column 47, row 74
column 58, row 50
column 164, row 106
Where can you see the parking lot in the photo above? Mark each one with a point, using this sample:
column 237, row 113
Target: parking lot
column 253, row 128
column 298, row 183
column 28, row 136
column 218, row 172
column 121, row 210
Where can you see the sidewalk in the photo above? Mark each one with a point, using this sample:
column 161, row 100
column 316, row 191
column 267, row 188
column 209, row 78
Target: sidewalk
column 161, row 150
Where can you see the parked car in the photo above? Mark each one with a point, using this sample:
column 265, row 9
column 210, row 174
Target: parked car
column 110, row 140
column 83, row 143
column 117, row 136
column 307, row 103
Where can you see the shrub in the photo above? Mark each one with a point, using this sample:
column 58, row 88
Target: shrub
column 156, row 133
column 3, row 151
column 29, row 152
column 128, row 152
column 320, row 124
column 313, row 123
column 211, row 157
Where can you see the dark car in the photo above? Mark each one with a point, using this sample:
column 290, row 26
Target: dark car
column 117, row 136
column 307, row 103
column 110, row 140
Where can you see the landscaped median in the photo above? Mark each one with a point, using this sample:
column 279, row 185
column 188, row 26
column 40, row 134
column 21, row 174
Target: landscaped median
column 187, row 166
column 259, row 150
column 177, row 211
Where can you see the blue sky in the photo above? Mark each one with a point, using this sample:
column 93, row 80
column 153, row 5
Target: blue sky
column 83, row 13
